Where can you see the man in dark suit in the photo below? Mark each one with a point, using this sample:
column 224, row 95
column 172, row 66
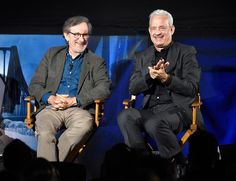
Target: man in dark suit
column 168, row 75
column 65, row 85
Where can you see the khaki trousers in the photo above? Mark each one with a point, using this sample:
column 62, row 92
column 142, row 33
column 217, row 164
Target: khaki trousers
column 78, row 123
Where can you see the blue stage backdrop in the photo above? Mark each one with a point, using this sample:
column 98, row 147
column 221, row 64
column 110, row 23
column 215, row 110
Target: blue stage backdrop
column 216, row 57
column 20, row 55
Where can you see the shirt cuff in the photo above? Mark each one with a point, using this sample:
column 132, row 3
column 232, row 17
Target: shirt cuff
column 78, row 101
column 148, row 79
column 168, row 81
column 45, row 98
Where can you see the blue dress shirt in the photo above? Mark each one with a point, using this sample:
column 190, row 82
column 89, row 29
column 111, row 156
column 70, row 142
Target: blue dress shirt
column 70, row 78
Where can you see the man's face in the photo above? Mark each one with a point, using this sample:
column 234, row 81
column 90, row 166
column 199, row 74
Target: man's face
column 77, row 38
column 160, row 31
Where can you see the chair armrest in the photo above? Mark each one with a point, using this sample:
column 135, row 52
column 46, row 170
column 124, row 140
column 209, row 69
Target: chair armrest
column 195, row 105
column 29, row 121
column 197, row 102
column 129, row 102
column 99, row 110
column 193, row 127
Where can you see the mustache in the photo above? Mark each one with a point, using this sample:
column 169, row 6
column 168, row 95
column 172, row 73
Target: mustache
column 157, row 35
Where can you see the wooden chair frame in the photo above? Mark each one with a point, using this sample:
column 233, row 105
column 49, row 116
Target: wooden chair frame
column 193, row 127
column 99, row 113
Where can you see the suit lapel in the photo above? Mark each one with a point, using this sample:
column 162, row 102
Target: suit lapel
column 172, row 58
column 149, row 57
column 60, row 63
column 172, row 55
column 84, row 70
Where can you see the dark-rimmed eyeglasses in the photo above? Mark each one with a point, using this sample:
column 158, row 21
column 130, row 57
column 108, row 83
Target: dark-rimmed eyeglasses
column 78, row 35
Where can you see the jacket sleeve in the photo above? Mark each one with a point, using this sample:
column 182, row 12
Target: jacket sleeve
column 97, row 84
column 37, row 86
column 185, row 79
column 140, row 80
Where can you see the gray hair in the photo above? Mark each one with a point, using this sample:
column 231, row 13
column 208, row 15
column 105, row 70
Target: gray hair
column 75, row 20
column 161, row 12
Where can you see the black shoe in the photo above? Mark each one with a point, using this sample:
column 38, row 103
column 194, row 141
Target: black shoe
column 180, row 171
column 180, row 163
column 157, row 153
column 179, row 159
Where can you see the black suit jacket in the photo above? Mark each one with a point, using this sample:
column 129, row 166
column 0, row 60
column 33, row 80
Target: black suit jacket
column 184, row 71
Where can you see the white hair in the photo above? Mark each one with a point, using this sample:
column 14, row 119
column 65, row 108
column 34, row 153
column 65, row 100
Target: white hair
column 161, row 12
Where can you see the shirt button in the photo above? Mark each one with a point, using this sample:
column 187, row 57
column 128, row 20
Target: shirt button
column 158, row 97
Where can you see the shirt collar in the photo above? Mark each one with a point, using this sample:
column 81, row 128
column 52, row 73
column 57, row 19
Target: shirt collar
column 77, row 57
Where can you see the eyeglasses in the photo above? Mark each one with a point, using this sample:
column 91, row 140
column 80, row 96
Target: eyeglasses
column 160, row 28
column 78, row 35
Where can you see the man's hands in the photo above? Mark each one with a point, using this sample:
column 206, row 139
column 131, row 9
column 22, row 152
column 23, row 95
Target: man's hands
column 61, row 102
column 158, row 71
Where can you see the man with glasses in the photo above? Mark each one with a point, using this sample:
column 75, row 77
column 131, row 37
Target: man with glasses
column 66, row 83
column 168, row 75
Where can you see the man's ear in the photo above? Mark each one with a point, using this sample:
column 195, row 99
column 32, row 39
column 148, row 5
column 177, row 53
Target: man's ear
column 66, row 36
column 149, row 30
column 172, row 29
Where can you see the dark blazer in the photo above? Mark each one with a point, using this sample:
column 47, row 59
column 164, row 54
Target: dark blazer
column 184, row 71
column 93, row 82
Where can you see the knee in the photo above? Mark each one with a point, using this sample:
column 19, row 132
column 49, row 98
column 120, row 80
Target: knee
column 150, row 126
column 123, row 117
column 89, row 124
column 42, row 126
column 48, row 137
column 44, row 122
column 153, row 126
column 78, row 121
column 84, row 126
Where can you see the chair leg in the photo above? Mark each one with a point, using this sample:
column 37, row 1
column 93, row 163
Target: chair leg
column 78, row 149
column 75, row 152
column 186, row 135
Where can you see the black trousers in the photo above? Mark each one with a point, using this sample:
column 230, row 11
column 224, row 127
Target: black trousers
column 162, row 123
